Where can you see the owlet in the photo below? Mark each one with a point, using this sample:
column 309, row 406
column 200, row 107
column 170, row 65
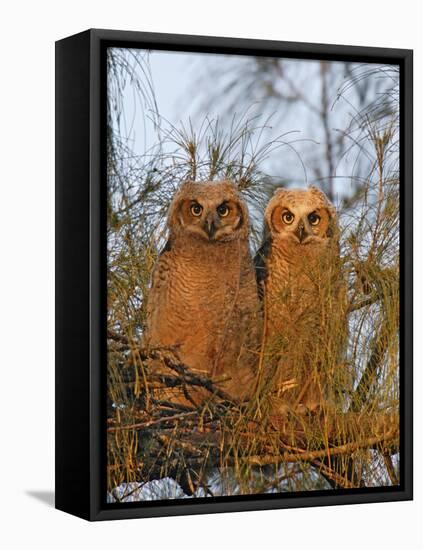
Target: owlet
column 203, row 301
column 299, row 278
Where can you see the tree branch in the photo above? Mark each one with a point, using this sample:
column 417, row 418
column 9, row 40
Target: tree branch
column 387, row 440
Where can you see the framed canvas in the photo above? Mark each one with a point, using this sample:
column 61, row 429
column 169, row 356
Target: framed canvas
column 233, row 274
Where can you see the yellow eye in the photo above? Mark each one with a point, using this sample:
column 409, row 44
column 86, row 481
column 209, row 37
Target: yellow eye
column 288, row 217
column 223, row 210
column 314, row 219
column 196, row 209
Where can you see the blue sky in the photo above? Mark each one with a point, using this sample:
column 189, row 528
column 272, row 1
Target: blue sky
column 186, row 88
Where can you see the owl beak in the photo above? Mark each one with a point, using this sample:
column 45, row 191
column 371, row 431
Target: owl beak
column 301, row 232
column 210, row 227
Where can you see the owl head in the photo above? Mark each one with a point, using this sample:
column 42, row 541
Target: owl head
column 302, row 216
column 212, row 211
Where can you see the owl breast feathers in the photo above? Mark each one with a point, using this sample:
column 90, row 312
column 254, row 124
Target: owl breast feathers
column 203, row 300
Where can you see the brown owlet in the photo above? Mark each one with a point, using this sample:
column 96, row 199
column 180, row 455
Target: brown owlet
column 299, row 278
column 203, row 300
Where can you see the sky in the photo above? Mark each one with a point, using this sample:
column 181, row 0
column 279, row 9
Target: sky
column 190, row 86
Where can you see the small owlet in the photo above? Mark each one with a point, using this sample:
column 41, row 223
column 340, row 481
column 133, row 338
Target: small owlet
column 203, row 300
column 299, row 278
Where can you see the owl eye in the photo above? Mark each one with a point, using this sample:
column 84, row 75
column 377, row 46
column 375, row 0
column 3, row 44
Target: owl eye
column 314, row 219
column 196, row 209
column 223, row 210
column 288, row 218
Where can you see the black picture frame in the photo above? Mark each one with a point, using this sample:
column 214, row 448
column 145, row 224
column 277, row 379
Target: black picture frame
column 81, row 272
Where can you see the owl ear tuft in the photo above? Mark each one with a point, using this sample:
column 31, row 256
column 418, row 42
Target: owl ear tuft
column 279, row 191
column 314, row 188
column 319, row 193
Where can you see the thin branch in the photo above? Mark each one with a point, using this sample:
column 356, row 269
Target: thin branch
column 330, row 474
column 188, row 375
column 149, row 423
column 379, row 346
column 363, row 303
column 309, row 456
column 387, row 458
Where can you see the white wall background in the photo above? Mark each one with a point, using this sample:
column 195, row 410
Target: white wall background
column 28, row 32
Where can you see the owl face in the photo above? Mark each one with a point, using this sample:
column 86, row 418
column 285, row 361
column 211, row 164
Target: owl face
column 302, row 216
column 212, row 211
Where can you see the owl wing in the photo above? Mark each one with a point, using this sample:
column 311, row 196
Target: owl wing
column 161, row 269
column 159, row 284
column 260, row 265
